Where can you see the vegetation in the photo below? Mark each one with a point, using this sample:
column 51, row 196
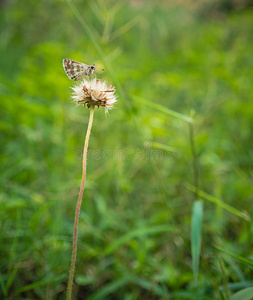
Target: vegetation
column 168, row 197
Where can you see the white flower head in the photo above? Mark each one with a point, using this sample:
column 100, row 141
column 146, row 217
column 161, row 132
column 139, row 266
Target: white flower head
column 94, row 93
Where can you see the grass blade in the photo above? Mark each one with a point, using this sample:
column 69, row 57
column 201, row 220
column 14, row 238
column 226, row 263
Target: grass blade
column 245, row 294
column 154, row 288
column 136, row 233
column 243, row 215
column 38, row 284
column 197, row 217
column 163, row 147
column 224, row 280
column 164, row 109
column 123, row 29
column 110, row 288
column 243, row 260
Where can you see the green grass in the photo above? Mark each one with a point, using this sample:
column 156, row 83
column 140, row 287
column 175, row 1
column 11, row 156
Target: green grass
column 162, row 205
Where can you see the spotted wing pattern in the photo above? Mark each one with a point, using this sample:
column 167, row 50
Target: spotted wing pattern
column 74, row 69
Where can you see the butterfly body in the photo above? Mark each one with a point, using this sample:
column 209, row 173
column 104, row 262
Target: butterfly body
column 77, row 70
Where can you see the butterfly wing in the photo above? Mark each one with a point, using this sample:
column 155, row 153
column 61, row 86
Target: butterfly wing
column 74, row 69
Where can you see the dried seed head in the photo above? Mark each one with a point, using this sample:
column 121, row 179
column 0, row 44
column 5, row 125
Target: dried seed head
column 94, row 93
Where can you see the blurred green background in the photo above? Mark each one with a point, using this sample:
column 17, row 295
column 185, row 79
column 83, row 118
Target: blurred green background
column 143, row 218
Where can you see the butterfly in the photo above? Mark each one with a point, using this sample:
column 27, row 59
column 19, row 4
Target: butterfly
column 76, row 70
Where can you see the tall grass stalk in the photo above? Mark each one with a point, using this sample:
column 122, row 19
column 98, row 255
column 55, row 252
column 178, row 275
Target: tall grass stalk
column 78, row 206
column 194, row 160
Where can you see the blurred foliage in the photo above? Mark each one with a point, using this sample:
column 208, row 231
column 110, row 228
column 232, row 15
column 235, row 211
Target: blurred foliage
column 134, row 235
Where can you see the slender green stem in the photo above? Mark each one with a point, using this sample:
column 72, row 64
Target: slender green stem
column 194, row 160
column 78, row 206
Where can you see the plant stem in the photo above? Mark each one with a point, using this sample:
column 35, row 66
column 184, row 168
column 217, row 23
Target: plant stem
column 194, row 160
column 78, row 206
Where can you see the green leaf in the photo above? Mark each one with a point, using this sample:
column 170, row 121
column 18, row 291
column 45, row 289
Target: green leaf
column 197, row 217
column 238, row 257
column 37, row 284
column 163, row 147
column 150, row 286
column 165, row 110
column 110, row 288
column 136, row 233
column 224, row 280
column 84, row 280
column 245, row 294
column 241, row 214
